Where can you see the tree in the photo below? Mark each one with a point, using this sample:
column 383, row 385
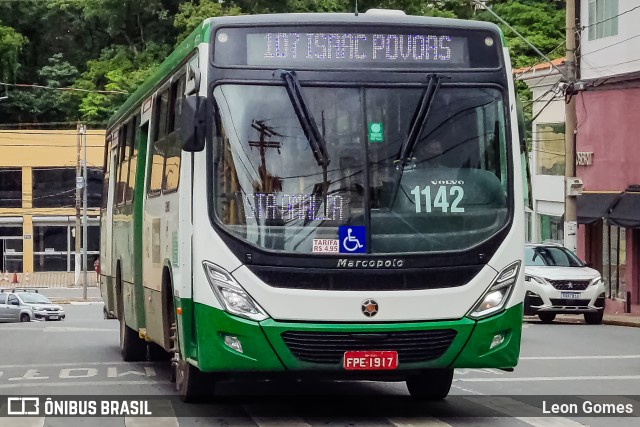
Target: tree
column 190, row 15
column 11, row 43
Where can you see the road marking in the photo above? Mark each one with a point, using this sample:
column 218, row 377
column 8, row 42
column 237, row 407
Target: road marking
column 50, row 365
column 593, row 377
column 418, row 422
column 83, row 383
column 60, row 329
column 526, row 413
column 169, row 421
column 621, row 356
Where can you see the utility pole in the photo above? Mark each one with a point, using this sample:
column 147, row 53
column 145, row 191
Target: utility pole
column 83, row 133
column 570, row 215
column 78, row 204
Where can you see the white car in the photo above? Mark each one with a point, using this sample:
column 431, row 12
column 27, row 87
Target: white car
column 558, row 282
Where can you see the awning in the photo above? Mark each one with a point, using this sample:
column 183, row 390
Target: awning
column 592, row 207
column 626, row 212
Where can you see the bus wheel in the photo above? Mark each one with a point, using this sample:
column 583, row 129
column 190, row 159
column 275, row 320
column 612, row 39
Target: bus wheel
column 157, row 353
column 430, row 385
column 132, row 348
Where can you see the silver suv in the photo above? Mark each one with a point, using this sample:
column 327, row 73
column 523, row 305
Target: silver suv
column 39, row 305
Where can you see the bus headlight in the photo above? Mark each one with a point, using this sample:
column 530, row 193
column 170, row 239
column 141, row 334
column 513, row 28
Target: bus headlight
column 233, row 298
column 494, row 299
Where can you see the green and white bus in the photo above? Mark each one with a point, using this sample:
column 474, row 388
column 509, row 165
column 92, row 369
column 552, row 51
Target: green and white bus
column 319, row 195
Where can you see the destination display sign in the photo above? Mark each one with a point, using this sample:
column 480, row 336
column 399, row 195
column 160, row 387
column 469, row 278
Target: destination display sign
column 336, row 49
column 333, row 47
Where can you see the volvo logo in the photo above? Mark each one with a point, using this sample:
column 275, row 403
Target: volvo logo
column 369, row 307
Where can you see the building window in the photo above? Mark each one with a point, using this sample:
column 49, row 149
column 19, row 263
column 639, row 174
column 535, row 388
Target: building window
column 603, row 18
column 551, row 229
column 54, row 246
column 10, row 188
column 54, row 187
column 94, row 187
column 550, row 149
column 11, row 245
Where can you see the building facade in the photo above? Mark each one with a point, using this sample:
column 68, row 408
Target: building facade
column 607, row 140
column 38, row 200
column 547, row 158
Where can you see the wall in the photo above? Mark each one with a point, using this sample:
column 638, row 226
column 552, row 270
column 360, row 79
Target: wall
column 612, row 55
column 29, row 149
column 548, row 190
column 609, row 126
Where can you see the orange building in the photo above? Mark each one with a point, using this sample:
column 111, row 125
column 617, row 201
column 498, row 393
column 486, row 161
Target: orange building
column 38, row 199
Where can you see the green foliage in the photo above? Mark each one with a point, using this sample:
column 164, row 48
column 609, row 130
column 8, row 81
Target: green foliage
column 191, row 15
column 11, row 43
column 540, row 22
column 113, row 45
column 118, row 69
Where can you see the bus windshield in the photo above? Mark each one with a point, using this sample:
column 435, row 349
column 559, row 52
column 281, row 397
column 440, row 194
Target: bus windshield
column 448, row 193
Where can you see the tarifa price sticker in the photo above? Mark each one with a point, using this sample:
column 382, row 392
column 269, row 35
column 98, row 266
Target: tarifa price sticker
column 325, row 246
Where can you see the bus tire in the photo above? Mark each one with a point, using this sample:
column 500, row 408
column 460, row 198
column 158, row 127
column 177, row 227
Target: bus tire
column 430, row 385
column 132, row 348
column 193, row 385
column 157, row 353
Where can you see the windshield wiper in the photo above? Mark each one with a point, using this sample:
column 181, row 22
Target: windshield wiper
column 309, row 127
column 420, row 117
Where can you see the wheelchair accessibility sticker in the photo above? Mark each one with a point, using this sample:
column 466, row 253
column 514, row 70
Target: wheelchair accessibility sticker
column 352, row 239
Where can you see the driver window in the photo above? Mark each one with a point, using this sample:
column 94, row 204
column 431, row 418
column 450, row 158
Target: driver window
column 13, row 300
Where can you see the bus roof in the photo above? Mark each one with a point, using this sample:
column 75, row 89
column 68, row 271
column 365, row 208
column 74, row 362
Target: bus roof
column 203, row 32
column 378, row 18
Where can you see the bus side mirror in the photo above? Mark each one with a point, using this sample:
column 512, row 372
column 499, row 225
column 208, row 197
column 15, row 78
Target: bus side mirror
column 192, row 119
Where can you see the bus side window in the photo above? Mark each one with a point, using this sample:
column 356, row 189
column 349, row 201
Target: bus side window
column 171, row 176
column 123, row 164
column 157, row 155
column 105, row 179
column 133, row 157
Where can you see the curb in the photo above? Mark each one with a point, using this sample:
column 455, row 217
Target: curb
column 621, row 323
column 75, row 301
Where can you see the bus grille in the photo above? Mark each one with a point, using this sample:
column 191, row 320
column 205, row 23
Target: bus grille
column 366, row 280
column 329, row 347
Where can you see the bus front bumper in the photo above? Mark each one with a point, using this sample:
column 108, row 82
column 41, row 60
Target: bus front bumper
column 228, row 343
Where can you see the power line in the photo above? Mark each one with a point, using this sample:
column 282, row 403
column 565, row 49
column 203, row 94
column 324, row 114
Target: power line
column 540, row 62
column 611, row 45
column 584, row 27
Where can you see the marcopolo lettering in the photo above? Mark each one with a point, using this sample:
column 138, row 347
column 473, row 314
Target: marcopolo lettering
column 373, row 263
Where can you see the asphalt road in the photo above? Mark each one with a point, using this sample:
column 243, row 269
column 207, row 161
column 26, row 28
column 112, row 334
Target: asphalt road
column 79, row 356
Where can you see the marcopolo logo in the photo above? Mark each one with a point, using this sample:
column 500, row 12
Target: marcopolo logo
column 373, row 263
